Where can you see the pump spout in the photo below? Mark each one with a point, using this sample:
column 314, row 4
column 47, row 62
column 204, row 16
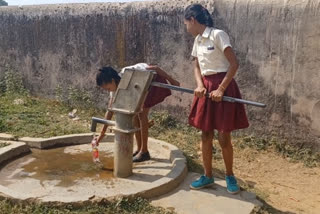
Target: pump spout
column 96, row 120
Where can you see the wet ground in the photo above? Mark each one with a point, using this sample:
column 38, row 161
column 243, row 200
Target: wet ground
column 58, row 165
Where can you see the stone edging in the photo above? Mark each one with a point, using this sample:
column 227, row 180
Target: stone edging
column 47, row 143
column 12, row 151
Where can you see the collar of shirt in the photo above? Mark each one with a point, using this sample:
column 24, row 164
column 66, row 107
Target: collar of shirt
column 206, row 33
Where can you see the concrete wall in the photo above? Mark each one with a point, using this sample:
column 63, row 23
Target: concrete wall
column 277, row 42
column 66, row 44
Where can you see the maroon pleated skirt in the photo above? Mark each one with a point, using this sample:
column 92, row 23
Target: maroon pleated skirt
column 208, row 115
column 156, row 95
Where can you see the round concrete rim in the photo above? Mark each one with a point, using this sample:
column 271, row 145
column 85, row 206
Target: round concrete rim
column 14, row 150
column 162, row 186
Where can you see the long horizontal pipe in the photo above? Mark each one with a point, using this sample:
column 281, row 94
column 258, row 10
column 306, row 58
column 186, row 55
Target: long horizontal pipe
column 224, row 98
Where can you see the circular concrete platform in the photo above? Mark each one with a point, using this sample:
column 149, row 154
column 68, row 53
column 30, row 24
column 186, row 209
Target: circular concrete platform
column 68, row 174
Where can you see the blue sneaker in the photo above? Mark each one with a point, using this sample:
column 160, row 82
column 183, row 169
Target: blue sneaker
column 202, row 182
column 232, row 185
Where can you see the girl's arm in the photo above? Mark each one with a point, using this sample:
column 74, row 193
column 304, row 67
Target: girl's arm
column 108, row 116
column 200, row 91
column 216, row 95
column 163, row 74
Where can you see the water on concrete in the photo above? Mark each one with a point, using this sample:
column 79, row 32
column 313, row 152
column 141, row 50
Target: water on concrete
column 69, row 174
column 61, row 165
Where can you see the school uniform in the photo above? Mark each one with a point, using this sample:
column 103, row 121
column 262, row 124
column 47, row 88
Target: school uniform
column 206, row 114
column 155, row 95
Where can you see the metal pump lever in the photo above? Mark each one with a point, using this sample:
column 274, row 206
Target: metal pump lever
column 224, row 98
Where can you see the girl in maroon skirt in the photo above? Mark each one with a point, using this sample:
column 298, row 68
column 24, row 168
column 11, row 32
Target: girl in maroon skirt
column 108, row 79
column 215, row 65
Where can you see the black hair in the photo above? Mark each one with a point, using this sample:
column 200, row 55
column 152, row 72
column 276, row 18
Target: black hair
column 105, row 75
column 199, row 13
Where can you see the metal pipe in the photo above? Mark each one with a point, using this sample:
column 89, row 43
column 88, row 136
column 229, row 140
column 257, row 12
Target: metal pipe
column 224, row 98
column 96, row 120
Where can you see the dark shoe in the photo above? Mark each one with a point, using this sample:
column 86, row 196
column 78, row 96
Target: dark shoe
column 142, row 157
column 135, row 153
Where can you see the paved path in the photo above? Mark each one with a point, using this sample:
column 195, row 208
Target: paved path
column 211, row 200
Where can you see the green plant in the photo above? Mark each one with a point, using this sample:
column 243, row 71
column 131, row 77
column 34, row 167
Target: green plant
column 3, row 127
column 164, row 119
column 59, row 93
column 123, row 206
column 294, row 153
column 79, row 98
column 74, row 97
column 253, row 142
column 2, row 86
column 12, row 84
column 306, row 155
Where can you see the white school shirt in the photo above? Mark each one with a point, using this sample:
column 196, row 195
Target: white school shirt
column 209, row 49
column 140, row 66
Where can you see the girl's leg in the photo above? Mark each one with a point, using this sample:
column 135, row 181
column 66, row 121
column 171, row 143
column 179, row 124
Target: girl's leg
column 144, row 125
column 227, row 151
column 137, row 134
column 143, row 154
column 206, row 147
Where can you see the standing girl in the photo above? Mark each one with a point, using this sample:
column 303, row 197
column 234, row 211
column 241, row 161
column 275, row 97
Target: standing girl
column 215, row 65
column 108, row 79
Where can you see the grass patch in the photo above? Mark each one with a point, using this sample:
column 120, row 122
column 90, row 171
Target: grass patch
column 282, row 147
column 123, row 206
column 24, row 115
column 34, row 117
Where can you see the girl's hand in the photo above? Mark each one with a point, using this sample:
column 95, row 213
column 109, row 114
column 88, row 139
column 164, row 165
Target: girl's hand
column 163, row 74
column 175, row 82
column 200, row 91
column 216, row 95
column 157, row 69
column 101, row 136
column 95, row 139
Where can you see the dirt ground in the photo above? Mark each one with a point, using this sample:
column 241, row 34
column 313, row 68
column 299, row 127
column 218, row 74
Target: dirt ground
column 284, row 185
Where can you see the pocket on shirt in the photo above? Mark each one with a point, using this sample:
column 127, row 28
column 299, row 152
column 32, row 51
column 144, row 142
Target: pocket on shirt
column 208, row 51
